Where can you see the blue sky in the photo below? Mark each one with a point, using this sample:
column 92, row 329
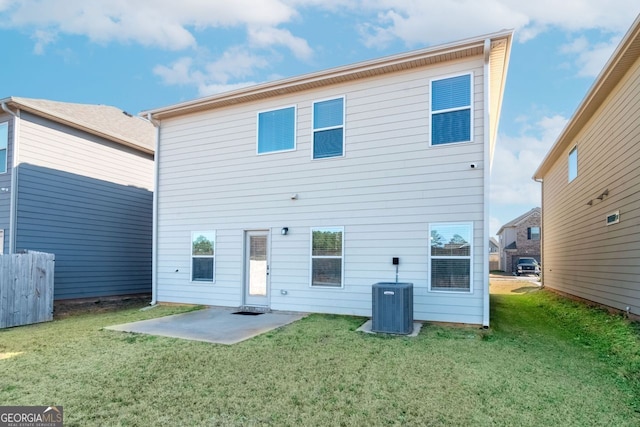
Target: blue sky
column 144, row 54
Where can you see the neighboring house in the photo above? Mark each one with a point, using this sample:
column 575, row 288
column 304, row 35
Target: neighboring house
column 591, row 189
column 297, row 194
column 494, row 254
column 520, row 237
column 494, row 246
column 76, row 181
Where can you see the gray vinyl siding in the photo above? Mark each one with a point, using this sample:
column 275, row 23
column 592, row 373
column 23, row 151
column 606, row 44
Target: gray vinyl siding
column 5, row 183
column 385, row 191
column 582, row 255
column 88, row 201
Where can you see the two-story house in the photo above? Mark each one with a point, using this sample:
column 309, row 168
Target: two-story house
column 591, row 189
column 297, row 194
column 520, row 237
column 76, row 180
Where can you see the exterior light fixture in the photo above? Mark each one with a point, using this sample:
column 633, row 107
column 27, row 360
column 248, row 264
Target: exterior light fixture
column 284, row 231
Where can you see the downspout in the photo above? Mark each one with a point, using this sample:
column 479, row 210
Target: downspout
column 154, row 232
column 13, row 197
column 541, row 181
column 487, row 183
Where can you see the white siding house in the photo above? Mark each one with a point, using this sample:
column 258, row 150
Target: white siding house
column 296, row 194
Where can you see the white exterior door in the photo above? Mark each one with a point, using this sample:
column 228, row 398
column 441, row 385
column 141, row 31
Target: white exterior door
column 256, row 268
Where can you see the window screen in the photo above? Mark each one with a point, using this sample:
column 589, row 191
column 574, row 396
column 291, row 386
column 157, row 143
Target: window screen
column 451, row 110
column 276, row 130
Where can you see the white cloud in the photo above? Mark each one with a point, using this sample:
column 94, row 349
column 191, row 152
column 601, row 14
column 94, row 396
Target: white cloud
column 179, row 73
column 269, row 36
column 167, row 24
column 235, row 63
column 517, row 158
column 42, row 38
column 432, row 21
column 590, row 59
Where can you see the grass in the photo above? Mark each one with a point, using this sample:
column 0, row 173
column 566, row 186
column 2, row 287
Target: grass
column 546, row 361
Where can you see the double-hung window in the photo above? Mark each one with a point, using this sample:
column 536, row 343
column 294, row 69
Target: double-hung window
column 4, row 146
column 533, row 233
column 573, row 164
column 450, row 256
column 203, row 250
column 277, row 130
column 327, row 248
column 328, row 128
column 451, row 112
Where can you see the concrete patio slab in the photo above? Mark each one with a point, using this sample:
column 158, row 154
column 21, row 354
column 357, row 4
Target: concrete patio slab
column 216, row 325
column 366, row 328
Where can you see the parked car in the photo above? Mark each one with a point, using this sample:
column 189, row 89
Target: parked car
column 527, row 266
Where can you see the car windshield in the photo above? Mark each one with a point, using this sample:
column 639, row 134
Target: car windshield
column 527, row 261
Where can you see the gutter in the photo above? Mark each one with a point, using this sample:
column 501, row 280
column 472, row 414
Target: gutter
column 13, row 197
column 541, row 181
column 154, row 232
column 487, row 183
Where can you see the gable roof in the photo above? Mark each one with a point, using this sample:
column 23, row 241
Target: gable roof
column 519, row 220
column 100, row 120
column 495, row 46
column 620, row 62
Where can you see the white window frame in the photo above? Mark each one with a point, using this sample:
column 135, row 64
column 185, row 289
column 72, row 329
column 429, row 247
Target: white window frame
column 573, row 150
column 295, row 129
column 530, row 233
column 615, row 218
column 435, row 225
column 194, row 234
column 6, row 149
column 448, row 110
column 312, row 257
column 343, row 126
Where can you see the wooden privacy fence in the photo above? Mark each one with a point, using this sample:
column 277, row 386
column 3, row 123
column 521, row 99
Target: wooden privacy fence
column 494, row 261
column 26, row 288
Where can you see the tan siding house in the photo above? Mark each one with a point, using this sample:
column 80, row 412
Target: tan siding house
column 591, row 190
column 297, row 194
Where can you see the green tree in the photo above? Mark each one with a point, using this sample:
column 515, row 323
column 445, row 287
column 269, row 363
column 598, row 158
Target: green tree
column 436, row 239
column 457, row 239
column 202, row 246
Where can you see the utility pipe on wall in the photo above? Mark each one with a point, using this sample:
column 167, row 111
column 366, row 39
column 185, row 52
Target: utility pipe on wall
column 487, row 182
column 154, row 232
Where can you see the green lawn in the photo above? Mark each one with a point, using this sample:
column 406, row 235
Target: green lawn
column 544, row 362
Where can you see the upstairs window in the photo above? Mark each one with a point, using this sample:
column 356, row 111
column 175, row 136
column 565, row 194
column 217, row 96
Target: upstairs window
column 4, row 144
column 328, row 128
column 277, row 130
column 451, row 117
column 573, row 164
column 533, row 233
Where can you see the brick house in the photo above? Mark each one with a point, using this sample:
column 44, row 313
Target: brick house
column 520, row 237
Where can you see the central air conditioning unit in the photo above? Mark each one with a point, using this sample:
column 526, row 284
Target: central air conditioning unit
column 392, row 308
